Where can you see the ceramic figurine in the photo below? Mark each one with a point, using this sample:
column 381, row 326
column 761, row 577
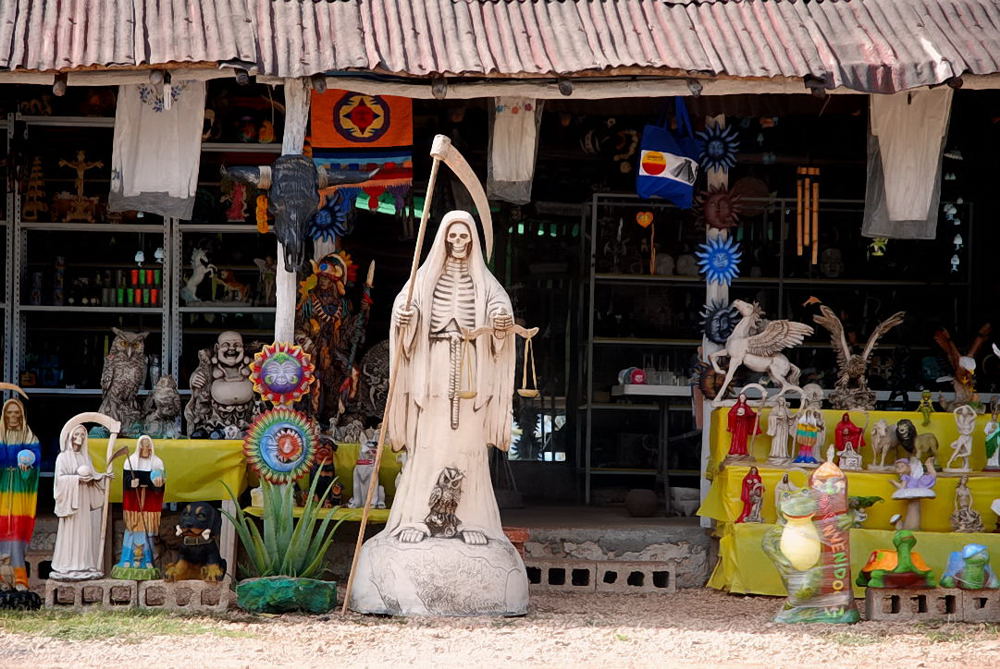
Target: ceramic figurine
column 963, row 367
column 199, row 559
column 961, row 448
column 926, row 407
column 162, row 410
column 81, row 207
column 901, row 568
column 810, row 429
column 992, row 431
column 883, row 441
column 780, row 423
column 847, row 435
column 752, row 496
column 337, row 324
column 920, row 446
column 810, row 547
column 913, row 486
column 323, row 467
column 236, row 195
column 965, row 518
column 200, row 269
column 143, row 480
column 443, row 550
column 124, row 374
column 267, row 268
column 373, row 382
column 858, row 505
column 363, row 472
column 20, row 459
column 995, row 508
column 743, row 422
column 970, row 569
column 266, row 133
column 784, row 486
column 851, row 389
column 79, row 492
column 760, row 352
column 222, row 403
column 233, row 291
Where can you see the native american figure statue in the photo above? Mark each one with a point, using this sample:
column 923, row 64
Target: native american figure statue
column 760, row 349
column 851, row 390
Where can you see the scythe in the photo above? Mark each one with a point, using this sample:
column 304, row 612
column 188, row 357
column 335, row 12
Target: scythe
column 11, row 386
column 114, row 427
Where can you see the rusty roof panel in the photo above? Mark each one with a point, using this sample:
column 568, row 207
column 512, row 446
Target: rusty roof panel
column 868, row 45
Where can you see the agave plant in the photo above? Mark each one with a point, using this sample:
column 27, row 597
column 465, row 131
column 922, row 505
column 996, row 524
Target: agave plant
column 286, row 548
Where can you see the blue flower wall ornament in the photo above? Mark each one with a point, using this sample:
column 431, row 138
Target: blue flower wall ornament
column 333, row 219
column 719, row 260
column 718, row 147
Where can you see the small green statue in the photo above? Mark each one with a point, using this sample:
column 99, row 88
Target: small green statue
column 926, row 407
column 970, row 569
column 901, row 568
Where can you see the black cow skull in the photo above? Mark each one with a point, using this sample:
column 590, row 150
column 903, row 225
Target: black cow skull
column 294, row 183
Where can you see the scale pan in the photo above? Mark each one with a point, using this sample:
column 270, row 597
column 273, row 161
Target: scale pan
column 526, row 392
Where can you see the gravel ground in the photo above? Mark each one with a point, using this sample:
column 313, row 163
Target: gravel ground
column 701, row 627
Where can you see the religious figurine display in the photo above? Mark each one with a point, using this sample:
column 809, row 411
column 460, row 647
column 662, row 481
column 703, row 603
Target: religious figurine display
column 883, row 441
column 901, row 568
column 222, row 403
column 810, row 547
column 752, row 496
column 20, row 458
column 81, row 499
column 849, row 439
column 337, row 325
column 162, row 410
column 851, row 389
column 810, row 428
column 743, row 422
column 79, row 207
column 760, row 349
column 780, row 423
column 961, row 448
column 443, row 550
column 124, row 374
column 965, row 518
column 970, row 569
column 914, row 485
column 143, row 482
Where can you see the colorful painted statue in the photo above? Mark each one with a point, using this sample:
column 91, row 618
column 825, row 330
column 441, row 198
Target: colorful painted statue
column 914, row 485
column 848, row 435
column 752, row 497
column 337, row 327
column 20, row 457
column 901, row 568
column 970, row 569
column 810, row 429
column 743, row 422
column 810, row 547
column 143, row 480
column 992, row 431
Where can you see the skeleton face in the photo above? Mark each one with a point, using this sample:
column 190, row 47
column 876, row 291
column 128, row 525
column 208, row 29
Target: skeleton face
column 459, row 239
column 145, row 447
column 78, row 438
column 13, row 417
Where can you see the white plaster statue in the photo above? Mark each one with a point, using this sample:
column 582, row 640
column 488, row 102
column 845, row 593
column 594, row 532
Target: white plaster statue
column 961, row 448
column 779, row 426
column 364, row 468
column 443, row 551
column 79, row 495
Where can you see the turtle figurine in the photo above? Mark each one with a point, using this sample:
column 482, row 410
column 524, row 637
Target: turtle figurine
column 901, row 568
column 970, row 569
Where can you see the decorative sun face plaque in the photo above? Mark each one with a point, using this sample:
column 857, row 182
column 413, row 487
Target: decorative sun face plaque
column 279, row 445
column 282, row 373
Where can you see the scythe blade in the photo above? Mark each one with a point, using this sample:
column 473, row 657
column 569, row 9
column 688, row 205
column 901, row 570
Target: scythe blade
column 443, row 150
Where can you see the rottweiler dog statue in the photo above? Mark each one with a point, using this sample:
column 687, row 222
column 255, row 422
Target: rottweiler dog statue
column 199, row 526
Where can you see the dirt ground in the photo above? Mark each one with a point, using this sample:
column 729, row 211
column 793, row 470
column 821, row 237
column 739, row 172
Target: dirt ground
column 701, row 627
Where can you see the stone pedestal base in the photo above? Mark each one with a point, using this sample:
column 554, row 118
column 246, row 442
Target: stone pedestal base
column 901, row 605
column 439, row 577
column 191, row 596
column 102, row 593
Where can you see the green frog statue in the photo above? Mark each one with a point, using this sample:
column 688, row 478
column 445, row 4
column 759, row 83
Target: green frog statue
column 970, row 569
column 810, row 547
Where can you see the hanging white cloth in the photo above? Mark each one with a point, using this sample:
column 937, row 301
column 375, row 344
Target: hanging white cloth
column 157, row 148
column 905, row 144
column 513, row 147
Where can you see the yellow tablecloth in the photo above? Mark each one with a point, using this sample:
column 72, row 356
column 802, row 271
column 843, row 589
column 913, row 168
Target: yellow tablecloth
column 744, row 568
column 195, row 467
column 375, row 516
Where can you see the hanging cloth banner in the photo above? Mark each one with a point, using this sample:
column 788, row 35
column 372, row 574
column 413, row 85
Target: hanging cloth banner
column 906, row 139
column 353, row 131
column 157, row 148
column 513, row 148
column 668, row 162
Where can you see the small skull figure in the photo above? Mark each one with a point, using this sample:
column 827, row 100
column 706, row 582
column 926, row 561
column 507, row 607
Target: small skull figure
column 458, row 241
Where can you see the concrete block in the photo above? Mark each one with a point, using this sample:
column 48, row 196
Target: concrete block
column 981, row 606
column 561, row 575
column 186, row 596
column 622, row 576
column 898, row 605
column 106, row 593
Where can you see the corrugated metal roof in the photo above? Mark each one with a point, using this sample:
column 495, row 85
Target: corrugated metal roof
column 876, row 45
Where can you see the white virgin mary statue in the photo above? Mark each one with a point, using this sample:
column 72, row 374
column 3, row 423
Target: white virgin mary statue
column 79, row 493
column 443, row 550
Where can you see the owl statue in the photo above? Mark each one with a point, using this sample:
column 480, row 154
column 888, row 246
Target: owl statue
column 123, row 376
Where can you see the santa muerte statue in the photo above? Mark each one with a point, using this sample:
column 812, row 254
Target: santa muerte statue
column 143, row 479
column 335, row 326
column 20, row 457
column 743, row 423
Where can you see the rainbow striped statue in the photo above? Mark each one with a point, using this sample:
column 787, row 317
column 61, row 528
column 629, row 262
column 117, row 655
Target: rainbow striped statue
column 20, row 457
